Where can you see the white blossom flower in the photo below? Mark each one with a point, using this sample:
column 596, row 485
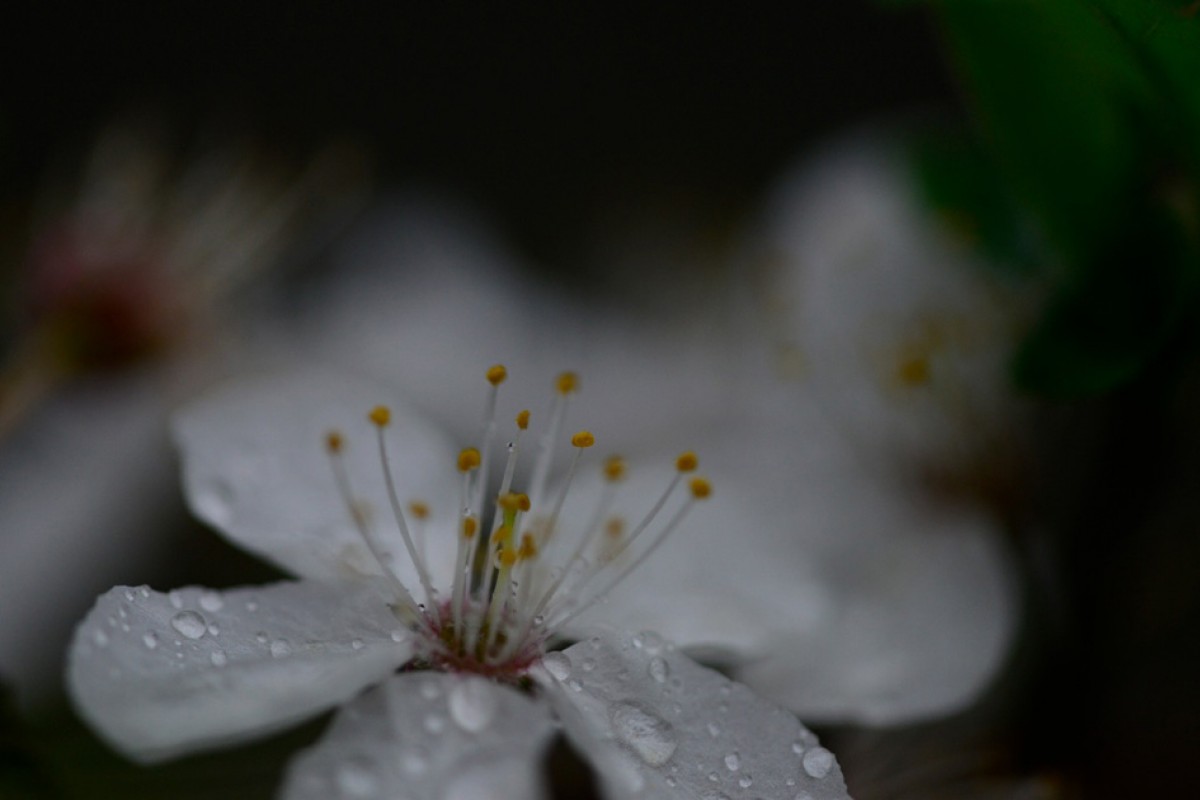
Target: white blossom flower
column 898, row 326
column 830, row 584
column 363, row 504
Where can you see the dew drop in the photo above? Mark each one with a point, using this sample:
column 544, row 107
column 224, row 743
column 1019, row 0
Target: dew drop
column 473, row 705
column 588, row 664
column 211, row 601
column 399, row 635
column 652, row 643
column 100, row 638
column 176, row 598
column 280, row 648
column 150, row 639
column 558, row 665
column 261, row 637
column 658, row 669
column 435, row 723
column 430, row 690
column 818, row 761
column 144, row 591
column 213, row 630
column 745, row 781
column 129, row 594
column 218, row 658
column 713, row 730
column 803, row 796
column 733, row 762
column 574, row 685
column 651, row 738
column 357, row 644
column 798, row 747
column 190, row 624
column 251, row 606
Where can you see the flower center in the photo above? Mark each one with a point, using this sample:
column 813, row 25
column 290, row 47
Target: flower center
column 526, row 574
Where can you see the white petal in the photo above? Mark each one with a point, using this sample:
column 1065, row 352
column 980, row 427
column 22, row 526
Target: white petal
column 839, row 596
column 428, row 736
column 255, row 466
column 903, row 331
column 659, row 726
column 159, row 675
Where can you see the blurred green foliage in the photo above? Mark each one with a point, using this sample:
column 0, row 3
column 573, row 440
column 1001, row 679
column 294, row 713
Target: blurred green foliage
column 1082, row 169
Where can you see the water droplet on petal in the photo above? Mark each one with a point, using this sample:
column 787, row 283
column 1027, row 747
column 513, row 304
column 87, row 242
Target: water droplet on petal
column 658, row 669
column 129, row 594
column 280, row 648
column 144, row 591
column 588, row 664
column 435, row 723
column 818, row 761
column 100, row 638
column 399, row 635
column 803, row 796
column 713, row 730
column 218, row 658
column 651, row 738
column 150, row 639
column 211, row 601
column 190, row 624
column 733, row 762
column 652, row 643
column 261, row 637
column 798, row 748
column 430, row 690
column 251, row 606
column 176, row 598
column 745, row 781
column 357, row 644
column 473, row 705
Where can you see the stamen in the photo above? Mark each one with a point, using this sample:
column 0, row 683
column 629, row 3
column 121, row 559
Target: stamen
column 380, row 415
column 419, row 511
column 700, row 489
column 565, row 384
column 334, row 445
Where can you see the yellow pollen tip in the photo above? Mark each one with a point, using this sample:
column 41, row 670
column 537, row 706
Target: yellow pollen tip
column 508, row 557
column 614, row 528
column 334, row 442
column 510, row 501
column 380, row 415
column 614, row 469
column 583, row 439
column 566, row 383
column 523, row 420
column 528, row 548
column 496, row 374
column 418, row 509
column 468, row 459
column 523, row 501
column 469, row 526
column 701, row 488
column 687, row 462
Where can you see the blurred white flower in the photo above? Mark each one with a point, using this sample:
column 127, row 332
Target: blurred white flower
column 404, row 563
column 133, row 291
column 826, row 584
column 899, row 327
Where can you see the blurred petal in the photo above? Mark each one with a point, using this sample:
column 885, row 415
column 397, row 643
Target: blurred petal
column 428, row 736
column 160, row 675
column 837, row 595
column 659, row 726
column 255, row 466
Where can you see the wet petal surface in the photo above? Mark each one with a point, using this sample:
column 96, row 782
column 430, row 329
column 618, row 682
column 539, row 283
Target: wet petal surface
column 163, row 674
column 256, row 467
column 657, row 725
column 428, row 736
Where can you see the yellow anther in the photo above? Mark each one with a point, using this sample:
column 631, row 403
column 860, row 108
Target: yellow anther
column 567, row 382
column 380, row 415
column 523, row 420
column 334, row 442
column 701, row 488
column 496, row 374
column 583, row 439
column 687, row 462
column 514, row 501
column 468, row 459
column 469, row 526
column 528, row 548
column 614, row 528
column 508, row 557
column 914, row 371
column 614, row 469
column 418, row 509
